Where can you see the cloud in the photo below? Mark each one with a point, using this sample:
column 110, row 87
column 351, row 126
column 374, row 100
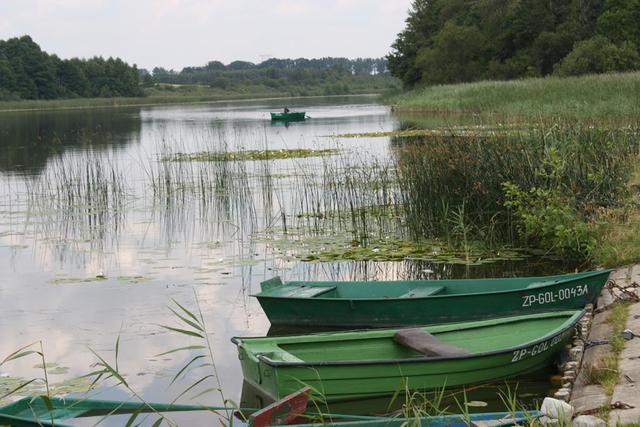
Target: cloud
column 178, row 33
column 292, row 7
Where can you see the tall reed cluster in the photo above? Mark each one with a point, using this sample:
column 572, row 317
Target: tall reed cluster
column 541, row 187
column 80, row 198
column 485, row 186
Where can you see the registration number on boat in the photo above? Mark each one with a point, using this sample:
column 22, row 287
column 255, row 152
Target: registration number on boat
column 549, row 297
column 536, row 349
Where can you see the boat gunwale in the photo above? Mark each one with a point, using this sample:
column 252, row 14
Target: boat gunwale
column 481, row 416
column 470, row 294
column 577, row 316
column 289, row 115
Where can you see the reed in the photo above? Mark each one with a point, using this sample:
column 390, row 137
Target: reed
column 79, row 200
column 469, row 190
column 463, row 178
column 544, row 187
column 585, row 97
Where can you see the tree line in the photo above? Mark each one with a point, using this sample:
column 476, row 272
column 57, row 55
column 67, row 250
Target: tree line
column 451, row 41
column 294, row 76
column 27, row 72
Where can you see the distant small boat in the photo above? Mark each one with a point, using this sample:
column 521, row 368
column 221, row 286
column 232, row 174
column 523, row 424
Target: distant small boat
column 355, row 364
column 288, row 117
column 369, row 304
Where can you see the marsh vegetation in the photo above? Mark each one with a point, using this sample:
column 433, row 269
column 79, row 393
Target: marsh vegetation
column 186, row 199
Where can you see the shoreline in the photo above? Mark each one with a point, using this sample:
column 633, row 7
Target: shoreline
column 158, row 102
column 601, row 378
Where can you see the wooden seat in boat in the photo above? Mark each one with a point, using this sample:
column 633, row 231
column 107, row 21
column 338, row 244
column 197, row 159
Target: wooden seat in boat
column 298, row 291
column 422, row 292
column 423, row 342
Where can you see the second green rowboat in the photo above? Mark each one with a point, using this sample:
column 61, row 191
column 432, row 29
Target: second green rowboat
column 345, row 365
column 288, row 117
column 423, row 302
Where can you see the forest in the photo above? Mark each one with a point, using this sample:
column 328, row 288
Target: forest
column 452, row 41
column 27, row 72
column 323, row 76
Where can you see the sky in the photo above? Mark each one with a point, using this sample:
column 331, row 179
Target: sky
column 179, row 33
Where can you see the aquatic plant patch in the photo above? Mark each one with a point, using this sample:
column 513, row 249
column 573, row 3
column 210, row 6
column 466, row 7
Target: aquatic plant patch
column 227, row 156
column 340, row 248
column 72, row 385
column 59, row 280
column 444, row 131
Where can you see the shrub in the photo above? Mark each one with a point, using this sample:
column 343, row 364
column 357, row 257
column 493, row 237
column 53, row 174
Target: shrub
column 547, row 219
column 599, row 55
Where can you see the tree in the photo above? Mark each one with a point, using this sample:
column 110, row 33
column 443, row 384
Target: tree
column 240, row 65
column 214, row 66
column 73, row 79
column 599, row 55
column 448, row 41
column 620, row 21
column 422, row 24
column 550, row 48
column 31, row 73
column 456, row 55
column 148, row 80
column 7, row 77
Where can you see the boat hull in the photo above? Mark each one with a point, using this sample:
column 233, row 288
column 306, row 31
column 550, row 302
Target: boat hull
column 497, row 419
column 363, row 310
column 336, row 380
column 288, row 117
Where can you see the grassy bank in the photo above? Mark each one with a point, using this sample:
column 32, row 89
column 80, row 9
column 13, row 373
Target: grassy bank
column 160, row 96
column 604, row 95
column 546, row 163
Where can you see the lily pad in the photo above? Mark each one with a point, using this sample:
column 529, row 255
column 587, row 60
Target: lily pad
column 225, row 156
column 133, row 279
column 76, row 280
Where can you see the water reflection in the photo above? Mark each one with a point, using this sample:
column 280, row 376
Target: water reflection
column 29, row 140
column 484, row 397
column 89, row 252
column 98, row 234
column 422, row 270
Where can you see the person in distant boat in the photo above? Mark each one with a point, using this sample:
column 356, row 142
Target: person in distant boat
column 286, row 110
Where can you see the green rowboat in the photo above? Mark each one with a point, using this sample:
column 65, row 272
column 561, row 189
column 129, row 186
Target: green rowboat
column 423, row 302
column 355, row 364
column 288, row 117
column 494, row 419
column 44, row 411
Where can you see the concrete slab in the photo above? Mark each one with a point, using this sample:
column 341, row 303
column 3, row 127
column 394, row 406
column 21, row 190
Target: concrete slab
column 628, row 394
column 628, row 389
column 600, row 330
column 588, row 399
column 588, row 421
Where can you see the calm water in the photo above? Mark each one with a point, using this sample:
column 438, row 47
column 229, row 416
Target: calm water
column 77, row 273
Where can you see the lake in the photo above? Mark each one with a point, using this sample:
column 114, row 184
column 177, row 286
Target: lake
column 99, row 233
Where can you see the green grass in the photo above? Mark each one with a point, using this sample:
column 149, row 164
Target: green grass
column 154, row 98
column 180, row 94
column 569, row 144
column 619, row 230
column 593, row 96
column 606, row 372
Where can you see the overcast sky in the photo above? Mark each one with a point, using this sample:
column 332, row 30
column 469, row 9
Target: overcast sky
column 178, row 33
